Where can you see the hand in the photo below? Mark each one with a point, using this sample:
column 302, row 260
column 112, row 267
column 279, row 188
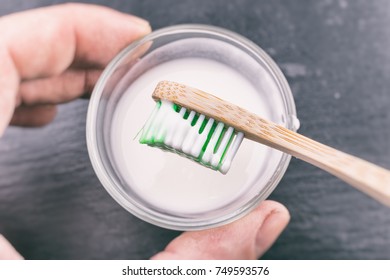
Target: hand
column 54, row 55
column 247, row 239
column 7, row 252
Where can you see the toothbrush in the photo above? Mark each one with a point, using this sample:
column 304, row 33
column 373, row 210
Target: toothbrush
column 209, row 130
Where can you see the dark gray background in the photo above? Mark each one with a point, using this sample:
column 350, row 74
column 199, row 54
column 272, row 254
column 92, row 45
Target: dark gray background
column 335, row 54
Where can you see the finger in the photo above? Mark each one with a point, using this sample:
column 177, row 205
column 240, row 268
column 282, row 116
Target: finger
column 9, row 81
column 38, row 115
column 7, row 251
column 247, row 238
column 66, row 34
column 61, row 88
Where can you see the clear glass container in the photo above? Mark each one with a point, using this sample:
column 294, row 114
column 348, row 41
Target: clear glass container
column 170, row 44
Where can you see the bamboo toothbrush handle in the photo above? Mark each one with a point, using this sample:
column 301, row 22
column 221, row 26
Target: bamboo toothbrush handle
column 365, row 176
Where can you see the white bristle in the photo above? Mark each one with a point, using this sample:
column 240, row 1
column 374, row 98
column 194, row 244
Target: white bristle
column 231, row 152
column 217, row 156
column 175, row 122
column 147, row 127
column 201, row 139
column 209, row 153
column 181, row 131
column 191, row 136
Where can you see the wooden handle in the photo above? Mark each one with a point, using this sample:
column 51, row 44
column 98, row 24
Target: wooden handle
column 365, row 176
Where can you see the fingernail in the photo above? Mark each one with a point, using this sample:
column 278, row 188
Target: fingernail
column 5, row 115
column 142, row 24
column 270, row 229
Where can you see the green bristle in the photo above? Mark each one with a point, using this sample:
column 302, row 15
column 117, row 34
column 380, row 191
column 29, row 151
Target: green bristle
column 175, row 107
column 220, row 139
column 186, row 114
column 204, row 123
column 195, row 119
column 226, row 149
column 211, row 132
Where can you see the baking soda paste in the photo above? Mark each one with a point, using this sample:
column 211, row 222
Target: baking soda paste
column 174, row 184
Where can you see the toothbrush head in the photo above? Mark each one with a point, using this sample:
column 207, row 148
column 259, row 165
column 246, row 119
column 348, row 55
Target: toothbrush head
column 191, row 134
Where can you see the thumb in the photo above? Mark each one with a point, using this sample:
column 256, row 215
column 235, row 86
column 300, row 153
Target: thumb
column 247, row 238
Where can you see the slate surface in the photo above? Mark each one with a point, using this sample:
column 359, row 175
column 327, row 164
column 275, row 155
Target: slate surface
column 336, row 59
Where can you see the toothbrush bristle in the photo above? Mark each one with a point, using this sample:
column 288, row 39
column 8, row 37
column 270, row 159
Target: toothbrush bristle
column 187, row 133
